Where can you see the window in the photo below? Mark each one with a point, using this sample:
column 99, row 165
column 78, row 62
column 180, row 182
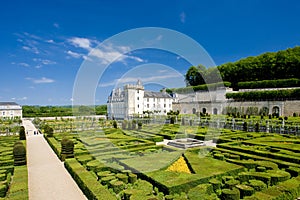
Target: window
column 138, row 98
column 147, row 105
column 138, row 105
column 154, row 105
column 147, row 99
column 164, row 105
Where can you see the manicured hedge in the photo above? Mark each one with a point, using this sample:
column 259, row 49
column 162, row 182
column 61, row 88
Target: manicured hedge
column 257, row 185
column 280, row 83
column 250, row 155
column 202, row 191
column 271, row 177
column 265, row 95
column 289, row 189
column 251, row 164
column 54, row 144
column 204, row 87
column 230, row 194
column 245, row 190
column 87, row 182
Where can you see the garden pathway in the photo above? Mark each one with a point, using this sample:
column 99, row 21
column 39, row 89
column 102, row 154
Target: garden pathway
column 47, row 177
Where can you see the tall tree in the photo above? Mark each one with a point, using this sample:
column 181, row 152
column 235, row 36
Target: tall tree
column 195, row 75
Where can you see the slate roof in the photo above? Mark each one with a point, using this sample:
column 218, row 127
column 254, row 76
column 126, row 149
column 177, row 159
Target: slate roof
column 8, row 104
column 156, row 94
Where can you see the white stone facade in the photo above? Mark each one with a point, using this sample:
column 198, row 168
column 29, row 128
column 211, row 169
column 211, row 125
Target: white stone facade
column 10, row 110
column 133, row 101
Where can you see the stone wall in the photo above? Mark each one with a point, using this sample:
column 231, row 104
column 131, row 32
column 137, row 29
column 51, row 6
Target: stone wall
column 286, row 108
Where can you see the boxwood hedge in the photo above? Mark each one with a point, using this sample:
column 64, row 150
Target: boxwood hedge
column 87, row 182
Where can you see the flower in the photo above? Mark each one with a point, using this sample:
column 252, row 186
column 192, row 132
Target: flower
column 179, row 166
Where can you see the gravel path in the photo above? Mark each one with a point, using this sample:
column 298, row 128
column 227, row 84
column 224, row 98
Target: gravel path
column 47, row 177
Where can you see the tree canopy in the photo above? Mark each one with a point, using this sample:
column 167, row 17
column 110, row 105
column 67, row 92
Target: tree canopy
column 283, row 64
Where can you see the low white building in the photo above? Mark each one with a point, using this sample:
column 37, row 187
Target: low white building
column 10, row 110
column 134, row 100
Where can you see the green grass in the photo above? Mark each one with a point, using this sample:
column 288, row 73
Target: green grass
column 208, row 166
column 152, row 162
column 19, row 186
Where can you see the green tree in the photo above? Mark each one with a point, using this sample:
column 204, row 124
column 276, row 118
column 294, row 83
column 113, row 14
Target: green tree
column 195, row 75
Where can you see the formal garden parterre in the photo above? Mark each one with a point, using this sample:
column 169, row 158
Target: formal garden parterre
column 116, row 160
column 13, row 169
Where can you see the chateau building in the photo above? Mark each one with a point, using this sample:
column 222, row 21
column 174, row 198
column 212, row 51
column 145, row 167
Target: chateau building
column 134, row 100
column 10, row 110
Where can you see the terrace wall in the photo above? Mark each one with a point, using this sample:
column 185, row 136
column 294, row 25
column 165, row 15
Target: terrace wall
column 286, row 108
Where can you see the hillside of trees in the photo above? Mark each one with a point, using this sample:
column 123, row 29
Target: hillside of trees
column 59, row 111
column 283, row 64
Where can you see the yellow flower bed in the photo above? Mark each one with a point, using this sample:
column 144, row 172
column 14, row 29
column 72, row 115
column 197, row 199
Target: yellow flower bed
column 179, row 166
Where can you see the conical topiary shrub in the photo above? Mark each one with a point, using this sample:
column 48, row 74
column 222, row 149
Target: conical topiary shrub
column 67, row 149
column 19, row 152
column 22, row 135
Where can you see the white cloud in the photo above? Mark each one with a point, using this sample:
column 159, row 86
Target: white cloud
column 182, row 17
column 50, row 41
column 31, row 48
column 112, row 53
column 74, row 54
column 48, row 62
column 26, row 48
column 41, row 80
column 43, row 61
column 24, row 64
column 81, row 42
column 106, row 54
column 19, row 99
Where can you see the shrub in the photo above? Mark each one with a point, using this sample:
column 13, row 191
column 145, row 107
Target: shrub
column 92, row 165
column 22, row 135
column 289, row 189
column 245, row 190
column 202, row 191
column 3, row 190
column 50, row 132
column 246, row 176
column 219, row 156
column 107, row 179
column 257, row 185
column 294, row 171
column 84, row 159
column 117, row 186
column 87, row 182
column 67, row 149
column 245, row 126
column 216, row 184
column 132, row 178
column 2, row 176
column 115, row 125
column 231, row 183
column 265, row 95
column 228, row 194
column 140, row 125
column 19, row 153
column 122, row 177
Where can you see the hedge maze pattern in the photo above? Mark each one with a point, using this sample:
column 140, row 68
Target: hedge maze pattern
column 112, row 163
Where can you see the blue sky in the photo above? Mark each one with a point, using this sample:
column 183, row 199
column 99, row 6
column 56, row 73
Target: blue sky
column 44, row 43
